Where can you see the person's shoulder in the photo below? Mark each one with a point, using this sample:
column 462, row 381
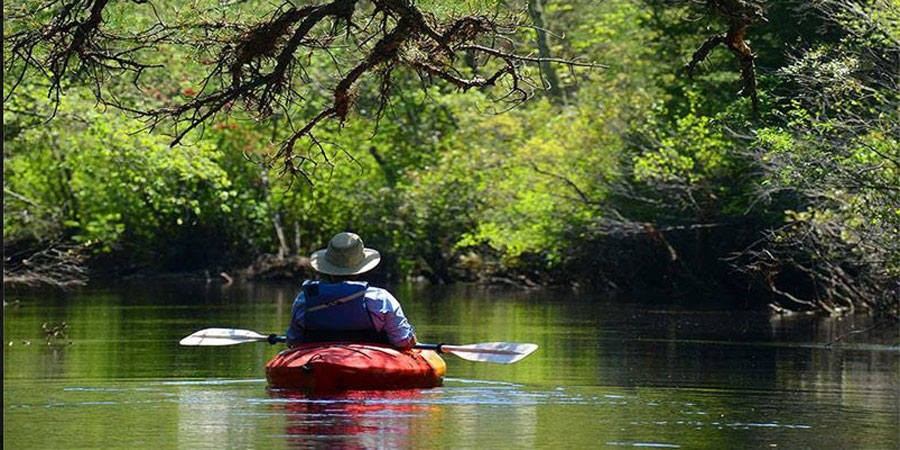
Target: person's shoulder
column 376, row 289
column 377, row 292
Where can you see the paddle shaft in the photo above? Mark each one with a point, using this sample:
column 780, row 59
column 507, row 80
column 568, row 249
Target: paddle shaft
column 275, row 339
column 496, row 352
column 439, row 348
column 448, row 348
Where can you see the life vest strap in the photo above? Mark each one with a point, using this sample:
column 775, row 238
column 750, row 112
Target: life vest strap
column 336, row 302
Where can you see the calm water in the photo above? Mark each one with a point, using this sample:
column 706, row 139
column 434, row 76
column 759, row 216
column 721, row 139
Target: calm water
column 607, row 375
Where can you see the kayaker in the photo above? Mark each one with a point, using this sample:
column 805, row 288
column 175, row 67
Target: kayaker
column 342, row 308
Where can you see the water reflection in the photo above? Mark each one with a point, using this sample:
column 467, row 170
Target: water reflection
column 417, row 418
column 212, row 416
column 354, row 420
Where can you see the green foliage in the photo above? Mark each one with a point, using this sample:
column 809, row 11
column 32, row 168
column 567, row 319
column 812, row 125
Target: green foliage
column 634, row 175
column 531, row 195
column 694, row 151
column 833, row 159
column 104, row 183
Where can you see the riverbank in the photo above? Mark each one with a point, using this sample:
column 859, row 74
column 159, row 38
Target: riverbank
column 294, row 269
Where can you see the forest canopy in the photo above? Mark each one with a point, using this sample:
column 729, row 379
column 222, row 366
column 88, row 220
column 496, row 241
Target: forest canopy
column 736, row 151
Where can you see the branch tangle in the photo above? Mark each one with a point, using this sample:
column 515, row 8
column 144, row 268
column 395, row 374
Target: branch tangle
column 260, row 65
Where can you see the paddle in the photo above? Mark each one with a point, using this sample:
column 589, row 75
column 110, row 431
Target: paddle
column 495, row 352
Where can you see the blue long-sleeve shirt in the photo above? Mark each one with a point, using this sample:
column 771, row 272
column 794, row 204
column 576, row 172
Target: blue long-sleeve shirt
column 384, row 310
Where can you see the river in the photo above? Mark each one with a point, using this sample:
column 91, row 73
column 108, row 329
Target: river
column 608, row 374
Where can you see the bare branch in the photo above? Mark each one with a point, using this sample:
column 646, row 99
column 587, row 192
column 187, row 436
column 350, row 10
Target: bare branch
column 261, row 67
column 740, row 15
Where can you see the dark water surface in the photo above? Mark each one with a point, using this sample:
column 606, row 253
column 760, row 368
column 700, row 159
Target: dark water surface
column 607, row 375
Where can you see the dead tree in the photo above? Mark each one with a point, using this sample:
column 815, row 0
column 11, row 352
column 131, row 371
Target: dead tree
column 55, row 265
column 740, row 15
column 260, row 67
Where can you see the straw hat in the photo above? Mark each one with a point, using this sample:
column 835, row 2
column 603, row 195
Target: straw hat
column 345, row 255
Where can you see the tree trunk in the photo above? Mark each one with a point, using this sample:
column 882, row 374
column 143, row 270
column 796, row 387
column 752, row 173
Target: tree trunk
column 389, row 177
column 275, row 217
column 297, row 240
column 536, row 11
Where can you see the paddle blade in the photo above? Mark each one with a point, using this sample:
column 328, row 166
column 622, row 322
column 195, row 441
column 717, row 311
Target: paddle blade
column 495, row 352
column 213, row 337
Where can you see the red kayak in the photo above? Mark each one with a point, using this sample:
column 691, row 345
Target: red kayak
column 336, row 366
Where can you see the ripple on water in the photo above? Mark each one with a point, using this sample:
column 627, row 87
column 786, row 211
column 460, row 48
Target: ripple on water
column 211, row 382
column 642, row 444
column 104, row 389
column 458, row 392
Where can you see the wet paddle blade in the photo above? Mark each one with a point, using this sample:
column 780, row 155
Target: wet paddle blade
column 215, row 337
column 495, row 352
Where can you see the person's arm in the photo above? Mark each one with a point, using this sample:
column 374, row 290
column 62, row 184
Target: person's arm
column 294, row 331
column 389, row 315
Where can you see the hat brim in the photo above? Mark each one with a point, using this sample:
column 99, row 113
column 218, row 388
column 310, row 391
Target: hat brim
column 370, row 259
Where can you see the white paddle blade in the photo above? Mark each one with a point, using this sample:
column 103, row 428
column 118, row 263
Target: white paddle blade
column 213, row 337
column 495, row 352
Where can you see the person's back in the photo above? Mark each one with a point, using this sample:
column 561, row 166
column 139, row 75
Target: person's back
column 343, row 309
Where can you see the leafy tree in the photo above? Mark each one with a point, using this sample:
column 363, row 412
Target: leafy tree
column 105, row 185
column 832, row 160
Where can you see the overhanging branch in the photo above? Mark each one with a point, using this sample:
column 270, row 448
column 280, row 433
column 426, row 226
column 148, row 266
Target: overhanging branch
column 262, row 66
